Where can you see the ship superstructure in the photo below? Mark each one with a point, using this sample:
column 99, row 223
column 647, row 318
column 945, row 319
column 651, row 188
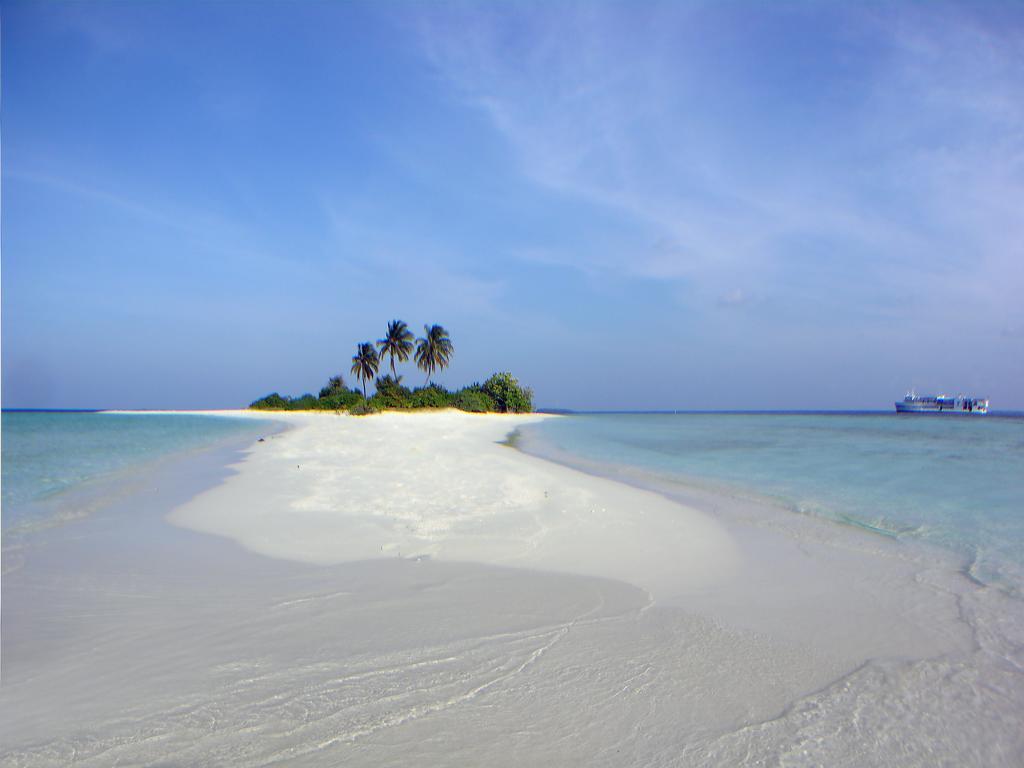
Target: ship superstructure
column 915, row 403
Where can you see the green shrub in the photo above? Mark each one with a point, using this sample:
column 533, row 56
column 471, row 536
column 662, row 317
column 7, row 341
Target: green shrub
column 272, row 402
column 305, row 403
column 384, row 401
column 391, row 394
column 500, row 393
column 508, row 395
column 335, row 386
column 434, row 396
column 363, row 408
column 474, row 401
column 388, row 384
column 341, row 401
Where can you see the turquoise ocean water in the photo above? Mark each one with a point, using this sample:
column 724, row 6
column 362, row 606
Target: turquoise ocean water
column 952, row 481
column 955, row 482
column 46, row 456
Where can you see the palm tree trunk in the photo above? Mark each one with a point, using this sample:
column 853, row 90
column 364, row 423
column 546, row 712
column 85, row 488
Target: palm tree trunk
column 364, row 389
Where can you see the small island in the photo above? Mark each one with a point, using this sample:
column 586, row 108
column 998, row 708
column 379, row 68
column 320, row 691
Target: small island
column 501, row 393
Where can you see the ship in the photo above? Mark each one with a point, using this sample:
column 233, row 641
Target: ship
column 915, row 403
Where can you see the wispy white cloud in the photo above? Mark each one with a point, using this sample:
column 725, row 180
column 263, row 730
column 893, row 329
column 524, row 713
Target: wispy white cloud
column 70, row 186
column 416, row 274
column 201, row 240
column 108, row 34
column 916, row 180
column 734, row 298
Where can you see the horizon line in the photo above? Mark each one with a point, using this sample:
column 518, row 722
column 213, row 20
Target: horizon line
column 574, row 412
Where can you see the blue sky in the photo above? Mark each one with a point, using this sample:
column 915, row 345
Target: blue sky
column 629, row 205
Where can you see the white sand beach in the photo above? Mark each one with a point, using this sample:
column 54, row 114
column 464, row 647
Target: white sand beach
column 440, row 485
column 404, row 588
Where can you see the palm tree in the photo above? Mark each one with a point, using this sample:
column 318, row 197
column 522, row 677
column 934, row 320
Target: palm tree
column 434, row 351
column 398, row 343
column 365, row 363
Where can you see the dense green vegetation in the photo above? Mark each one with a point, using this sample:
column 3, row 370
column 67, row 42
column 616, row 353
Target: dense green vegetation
column 508, row 396
column 501, row 393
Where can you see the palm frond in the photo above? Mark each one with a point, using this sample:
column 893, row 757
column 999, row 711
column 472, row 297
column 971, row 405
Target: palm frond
column 365, row 363
column 397, row 344
column 434, row 351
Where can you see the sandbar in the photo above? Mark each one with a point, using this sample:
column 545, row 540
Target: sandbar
column 408, row 588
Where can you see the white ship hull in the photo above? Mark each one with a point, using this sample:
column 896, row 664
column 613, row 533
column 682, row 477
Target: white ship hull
column 913, row 403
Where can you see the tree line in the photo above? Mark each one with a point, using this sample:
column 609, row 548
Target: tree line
column 431, row 353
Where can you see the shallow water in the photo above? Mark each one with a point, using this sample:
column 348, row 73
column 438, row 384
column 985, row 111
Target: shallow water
column 940, row 497
column 955, row 482
column 48, row 455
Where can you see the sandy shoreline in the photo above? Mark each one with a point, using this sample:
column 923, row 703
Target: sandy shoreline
column 440, row 485
column 418, row 591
